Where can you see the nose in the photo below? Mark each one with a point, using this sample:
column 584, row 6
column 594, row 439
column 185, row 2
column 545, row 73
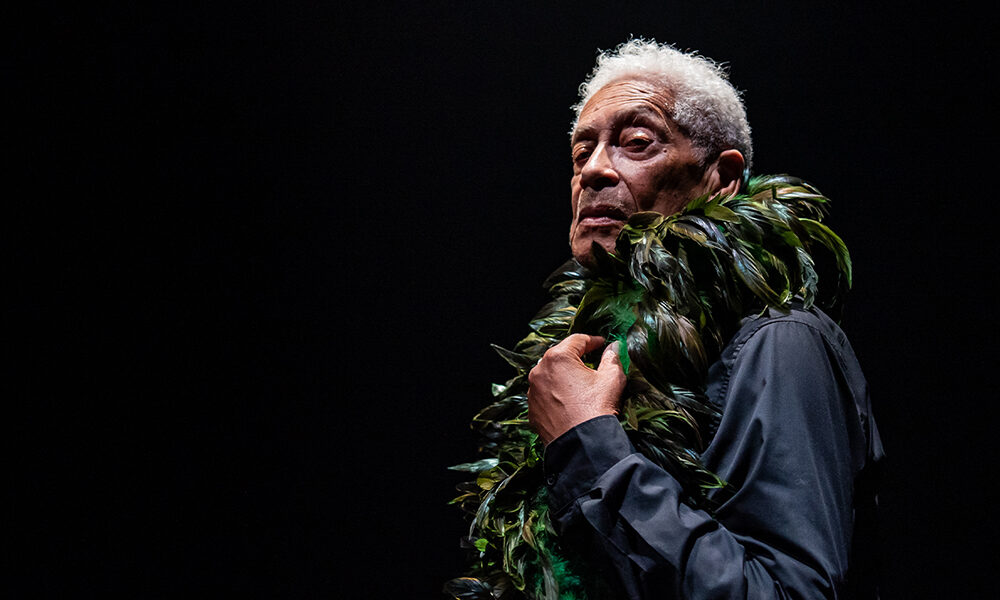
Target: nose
column 599, row 172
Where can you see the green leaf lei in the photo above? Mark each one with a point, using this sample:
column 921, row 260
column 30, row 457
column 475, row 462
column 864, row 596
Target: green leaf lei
column 674, row 291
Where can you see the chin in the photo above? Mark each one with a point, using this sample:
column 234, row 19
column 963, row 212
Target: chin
column 582, row 247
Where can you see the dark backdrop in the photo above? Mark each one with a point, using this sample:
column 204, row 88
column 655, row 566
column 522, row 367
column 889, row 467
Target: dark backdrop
column 261, row 250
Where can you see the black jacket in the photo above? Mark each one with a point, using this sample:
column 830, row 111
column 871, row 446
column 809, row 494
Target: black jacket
column 798, row 441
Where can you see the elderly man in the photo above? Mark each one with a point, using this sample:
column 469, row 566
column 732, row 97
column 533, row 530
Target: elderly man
column 767, row 494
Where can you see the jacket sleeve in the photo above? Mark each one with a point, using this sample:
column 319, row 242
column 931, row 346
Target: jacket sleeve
column 791, row 440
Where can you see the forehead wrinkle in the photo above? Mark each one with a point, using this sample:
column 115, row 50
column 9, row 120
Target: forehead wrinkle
column 634, row 90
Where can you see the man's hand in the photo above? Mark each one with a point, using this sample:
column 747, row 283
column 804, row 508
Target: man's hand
column 565, row 392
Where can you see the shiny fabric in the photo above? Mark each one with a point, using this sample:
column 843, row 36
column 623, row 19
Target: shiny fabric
column 797, row 440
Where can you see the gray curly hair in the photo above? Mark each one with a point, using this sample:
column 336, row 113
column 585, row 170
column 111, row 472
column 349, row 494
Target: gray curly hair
column 706, row 105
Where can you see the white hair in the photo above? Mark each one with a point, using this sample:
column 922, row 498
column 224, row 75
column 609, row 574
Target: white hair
column 705, row 104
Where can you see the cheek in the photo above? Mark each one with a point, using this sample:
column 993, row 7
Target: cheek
column 646, row 190
column 574, row 197
column 671, row 189
column 574, row 201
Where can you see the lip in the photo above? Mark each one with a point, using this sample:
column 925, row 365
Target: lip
column 601, row 215
column 601, row 221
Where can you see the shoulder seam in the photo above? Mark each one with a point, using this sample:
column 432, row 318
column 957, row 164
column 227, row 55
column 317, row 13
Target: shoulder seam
column 789, row 318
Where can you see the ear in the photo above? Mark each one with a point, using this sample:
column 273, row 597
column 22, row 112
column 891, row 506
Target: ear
column 725, row 174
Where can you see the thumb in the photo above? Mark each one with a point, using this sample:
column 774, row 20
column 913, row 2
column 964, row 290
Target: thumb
column 611, row 366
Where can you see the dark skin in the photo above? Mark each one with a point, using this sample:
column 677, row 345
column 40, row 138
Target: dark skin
column 628, row 156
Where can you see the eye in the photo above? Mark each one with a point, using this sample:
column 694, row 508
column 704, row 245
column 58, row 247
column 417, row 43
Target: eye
column 580, row 154
column 635, row 139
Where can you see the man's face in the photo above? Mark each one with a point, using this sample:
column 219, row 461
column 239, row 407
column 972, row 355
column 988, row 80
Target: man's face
column 628, row 156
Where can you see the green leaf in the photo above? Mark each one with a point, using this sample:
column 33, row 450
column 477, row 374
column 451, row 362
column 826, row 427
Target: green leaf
column 468, row 588
column 715, row 210
column 476, row 467
column 521, row 362
column 642, row 220
column 831, row 240
column 489, row 478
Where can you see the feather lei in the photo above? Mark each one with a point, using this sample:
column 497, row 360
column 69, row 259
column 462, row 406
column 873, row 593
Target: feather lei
column 673, row 292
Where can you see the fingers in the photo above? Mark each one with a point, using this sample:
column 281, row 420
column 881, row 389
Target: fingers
column 564, row 391
column 581, row 343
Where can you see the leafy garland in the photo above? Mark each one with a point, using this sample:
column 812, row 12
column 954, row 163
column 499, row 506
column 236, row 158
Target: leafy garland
column 673, row 292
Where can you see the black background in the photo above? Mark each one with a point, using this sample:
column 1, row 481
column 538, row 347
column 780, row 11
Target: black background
column 260, row 251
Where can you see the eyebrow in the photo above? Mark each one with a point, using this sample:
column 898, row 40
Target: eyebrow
column 641, row 115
